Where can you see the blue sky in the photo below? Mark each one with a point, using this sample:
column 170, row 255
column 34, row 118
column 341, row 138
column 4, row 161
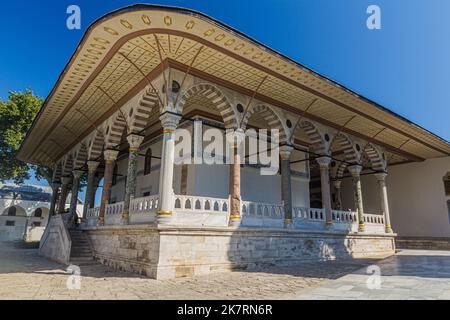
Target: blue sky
column 404, row 66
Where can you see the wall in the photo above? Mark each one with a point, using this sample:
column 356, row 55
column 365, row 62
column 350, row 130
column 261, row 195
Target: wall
column 417, row 198
column 167, row 253
column 417, row 201
column 23, row 219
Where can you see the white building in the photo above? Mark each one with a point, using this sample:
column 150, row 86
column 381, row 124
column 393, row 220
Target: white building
column 24, row 211
column 348, row 166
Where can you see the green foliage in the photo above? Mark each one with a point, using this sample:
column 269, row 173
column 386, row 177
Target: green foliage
column 16, row 117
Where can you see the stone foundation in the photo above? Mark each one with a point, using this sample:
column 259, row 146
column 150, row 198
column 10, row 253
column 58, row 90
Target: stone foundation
column 169, row 252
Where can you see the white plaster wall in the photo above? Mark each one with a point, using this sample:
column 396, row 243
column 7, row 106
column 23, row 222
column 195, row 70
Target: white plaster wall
column 417, row 201
column 417, row 198
column 23, row 218
column 370, row 192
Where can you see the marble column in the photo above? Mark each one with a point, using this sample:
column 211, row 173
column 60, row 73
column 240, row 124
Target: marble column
column 75, row 188
column 134, row 141
column 237, row 137
column 324, row 164
column 63, row 196
column 90, row 188
column 169, row 122
column 55, row 189
column 355, row 170
column 97, row 179
column 110, row 158
column 338, row 194
column 381, row 177
column 286, row 186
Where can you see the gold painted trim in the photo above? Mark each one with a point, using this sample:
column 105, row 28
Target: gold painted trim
column 164, row 213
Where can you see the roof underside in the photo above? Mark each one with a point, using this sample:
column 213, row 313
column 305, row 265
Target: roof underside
column 99, row 79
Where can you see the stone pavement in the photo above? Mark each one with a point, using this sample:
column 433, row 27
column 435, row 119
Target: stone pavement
column 25, row 275
column 409, row 275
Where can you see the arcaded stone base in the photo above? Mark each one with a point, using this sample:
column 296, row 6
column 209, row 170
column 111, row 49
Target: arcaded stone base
column 168, row 252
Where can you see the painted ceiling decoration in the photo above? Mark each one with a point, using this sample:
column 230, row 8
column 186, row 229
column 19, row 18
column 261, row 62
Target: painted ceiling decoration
column 109, row 65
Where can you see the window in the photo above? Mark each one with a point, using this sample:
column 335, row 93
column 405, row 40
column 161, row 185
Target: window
column 146, row 194
column 10, row 223
column 447, row 184
column 12, row 211
column 148, row 161
column 114, row 177
column 38, row 213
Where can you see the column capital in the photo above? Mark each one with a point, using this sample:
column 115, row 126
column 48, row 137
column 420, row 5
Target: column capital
column 110, row 155
column 92, row 165
column 134, row 140
column 285, row 152
column 381, row 176
column 77, row 173
column 66, row 180
column 324, row 162
column 337, row 184
column 169, row 121
column 355, row 170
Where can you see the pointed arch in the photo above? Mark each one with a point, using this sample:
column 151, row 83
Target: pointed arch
column 57, row 172
column 67, row 166
column 270, row 116
column 96, row 144
column 376, row 157
column 141, row 113
column 315, row 137
column 340, row 170
column 348, row 147
column 114, row 130
column 217, row 98
column 80, row 156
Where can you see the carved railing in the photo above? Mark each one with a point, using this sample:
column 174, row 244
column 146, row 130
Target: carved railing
column 200, row 204
column 143, row 210
column 344, row 216
column 309, row 214
column 262, row 210
column 114, row 208
column 373, row 218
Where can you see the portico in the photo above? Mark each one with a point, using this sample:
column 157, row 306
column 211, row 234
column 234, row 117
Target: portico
column 147, row 71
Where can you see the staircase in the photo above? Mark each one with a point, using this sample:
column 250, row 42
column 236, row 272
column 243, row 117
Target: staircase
column 80, row 253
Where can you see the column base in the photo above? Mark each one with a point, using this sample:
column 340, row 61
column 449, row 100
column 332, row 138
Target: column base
column 287, row 223
column 361, row 228
column 235, row 221
column 164, row 217
column 125, row 218
column 101, row 221
column 388, row 229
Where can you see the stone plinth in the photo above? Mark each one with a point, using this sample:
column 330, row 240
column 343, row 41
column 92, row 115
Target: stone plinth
column 170, row 252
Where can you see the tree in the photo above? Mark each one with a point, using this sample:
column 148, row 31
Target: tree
column 16, row 116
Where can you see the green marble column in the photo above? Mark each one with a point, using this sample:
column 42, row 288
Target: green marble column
column 134, row 141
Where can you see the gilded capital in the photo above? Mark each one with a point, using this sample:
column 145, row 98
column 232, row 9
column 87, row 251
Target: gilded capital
column 355, row 170
column 134, row 140
column 110, row 155
column 324, row 162
column 92, row 165
column 285, row 152
column 169, row 121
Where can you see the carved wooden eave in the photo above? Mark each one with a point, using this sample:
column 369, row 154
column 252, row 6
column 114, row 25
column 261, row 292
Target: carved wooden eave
column 98, row 80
